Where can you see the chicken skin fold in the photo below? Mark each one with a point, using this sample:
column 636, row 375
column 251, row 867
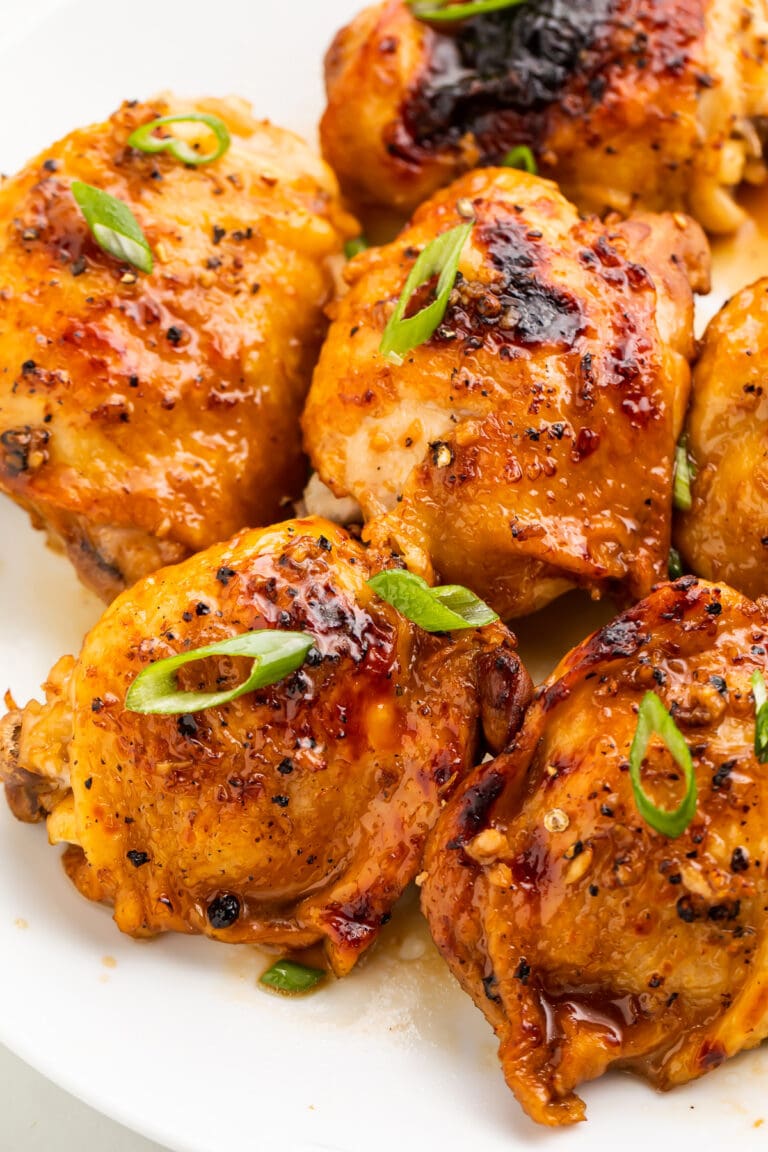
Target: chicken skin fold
column 587, row 938
column 628, row 105
column 724, row 535
column 294, row 814
column 144, row 417
column 527, row 447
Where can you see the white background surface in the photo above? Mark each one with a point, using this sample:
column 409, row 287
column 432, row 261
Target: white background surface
column 174, row 1037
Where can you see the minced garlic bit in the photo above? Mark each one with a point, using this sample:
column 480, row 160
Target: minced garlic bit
column 487, row 845
column 464, row 208
column 556, row 820
column 442, row 456
column 421, row 878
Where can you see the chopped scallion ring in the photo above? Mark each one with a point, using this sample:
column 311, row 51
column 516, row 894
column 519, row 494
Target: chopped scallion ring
column 449, row 608
column 684, row 474
column 674, row 564
column 521, row 157
column 287, row 976
column 355, row 246
column 113, row 226
column 145, row 140
column 652, row 718
column 440, row 258
column 446, row 10
column 275, row 655
column 761, row 716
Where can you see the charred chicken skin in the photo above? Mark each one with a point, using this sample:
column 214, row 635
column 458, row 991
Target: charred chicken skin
column 295, row 814
column 627, row 104
column 143, row 417
column 527, row 446
column 724, row 535
column 587, row 938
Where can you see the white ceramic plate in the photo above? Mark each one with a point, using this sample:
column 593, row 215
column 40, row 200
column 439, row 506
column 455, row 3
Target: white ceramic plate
column 173, row 1037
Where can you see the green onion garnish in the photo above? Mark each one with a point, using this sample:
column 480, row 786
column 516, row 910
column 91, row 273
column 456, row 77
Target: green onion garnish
column 441, row 256
column 653, row 717
column 275, row 655
column 521, row 157
column 145, row 140
column 286, row 976
column 445, row 10
column 449, row 608
column 352, row 247
column 674, row 564
column 113, row 226
column 683, row 476
column 761, row 716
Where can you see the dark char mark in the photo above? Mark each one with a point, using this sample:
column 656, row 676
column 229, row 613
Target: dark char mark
column 517, row 60
column 475, row 804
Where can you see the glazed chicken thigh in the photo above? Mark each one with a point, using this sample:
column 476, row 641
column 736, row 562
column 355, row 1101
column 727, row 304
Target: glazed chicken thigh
column 586, row 937
column 724, row 535
column 294, row 814
column 527, row 446
column 143, row 417
column 628, row 104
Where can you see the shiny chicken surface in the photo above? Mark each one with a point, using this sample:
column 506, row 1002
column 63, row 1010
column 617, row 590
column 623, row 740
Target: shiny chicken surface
column 724, row 536
column 527, row 447
column 587, row 938
column 143, row 417
column 627, row 104
column 294, row 814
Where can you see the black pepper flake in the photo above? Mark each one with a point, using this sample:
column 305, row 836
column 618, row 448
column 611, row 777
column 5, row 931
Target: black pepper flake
column 324, row 543
column 686, row 910
column 719, row 684
column 285, row 767
column 593, row 889
column 606, row 810
column 77, row 267
column 281, row 801
column 224, row 575
column 186, row 617
column 28, row 366
column 523, row 971
column 714, row 608
column 723, row 772
column 218, row 234
column 187, row 725
column 655, row 981
column 174, row 335
column 137, row 858
column 133, row 381
column 50, row 165
column 489, row 985
column 223, row 910
column 201, row 609
column 739, row 860
column 88, row 783
column 97, row 704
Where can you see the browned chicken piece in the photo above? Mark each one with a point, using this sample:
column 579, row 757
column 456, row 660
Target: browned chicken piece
column 527, row 447
column 293, row 814
column 143, row 417
column 627, row 104
column 587, row 938
column 724, row 536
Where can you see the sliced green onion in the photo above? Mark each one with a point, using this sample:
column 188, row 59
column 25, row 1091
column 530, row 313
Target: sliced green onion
column 674, row 564
column 683, row 476
column 440, row 257
column 275, row 655
column 449, row 608
column 653, row 717
column 521, row 157
column 113, row 226
column 353, row 247
column 761, row 716
column 145, row 140
column 445, row 10
column 287, row 976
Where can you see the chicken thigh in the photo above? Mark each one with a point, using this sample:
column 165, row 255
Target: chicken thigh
column 724, row 535
column 627, row 104
column 294, row 814
column 143, row 417
column 527, row 446
column 586, row 937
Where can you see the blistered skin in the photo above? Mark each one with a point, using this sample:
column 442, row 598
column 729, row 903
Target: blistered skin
column 527, row 446
column 587, row 938
column 725, row 534
column 143, row 417
column 295, row 814
column 626, row 104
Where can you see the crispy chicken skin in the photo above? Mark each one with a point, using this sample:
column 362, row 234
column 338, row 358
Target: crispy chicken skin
column 725, row 534
column 145, row 417
column 527, row 447
column 587, row 938
column 295, row 814
column 627, row 104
